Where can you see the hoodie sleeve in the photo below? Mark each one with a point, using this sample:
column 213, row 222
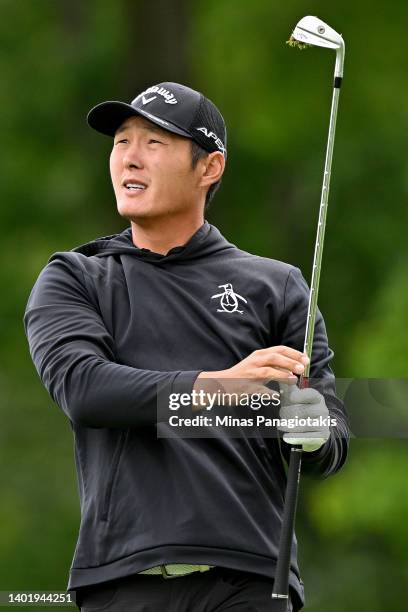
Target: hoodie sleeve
column 74, row 356
column 331, row 456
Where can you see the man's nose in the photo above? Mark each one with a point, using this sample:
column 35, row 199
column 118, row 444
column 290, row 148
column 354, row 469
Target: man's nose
column 133, row 157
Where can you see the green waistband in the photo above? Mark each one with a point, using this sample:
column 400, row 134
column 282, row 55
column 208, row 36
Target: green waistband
column 176, row 569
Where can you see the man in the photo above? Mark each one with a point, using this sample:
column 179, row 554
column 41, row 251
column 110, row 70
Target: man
column 169, row 305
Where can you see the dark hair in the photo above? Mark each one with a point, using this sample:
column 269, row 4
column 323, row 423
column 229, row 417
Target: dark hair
column 198, row 153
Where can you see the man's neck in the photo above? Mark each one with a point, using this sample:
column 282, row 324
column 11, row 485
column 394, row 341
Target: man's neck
column 164, row 236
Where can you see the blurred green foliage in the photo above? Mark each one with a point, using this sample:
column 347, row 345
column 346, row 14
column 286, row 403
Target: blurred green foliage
column 58, row 59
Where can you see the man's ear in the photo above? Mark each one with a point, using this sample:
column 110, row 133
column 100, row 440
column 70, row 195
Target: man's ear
column 213, row 168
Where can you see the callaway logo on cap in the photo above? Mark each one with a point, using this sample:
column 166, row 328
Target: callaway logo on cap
column 173, row 107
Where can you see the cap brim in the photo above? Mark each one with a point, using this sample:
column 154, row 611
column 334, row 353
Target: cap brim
column 108, row 116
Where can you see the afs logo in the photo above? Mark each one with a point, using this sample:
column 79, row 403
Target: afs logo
column 228, row 299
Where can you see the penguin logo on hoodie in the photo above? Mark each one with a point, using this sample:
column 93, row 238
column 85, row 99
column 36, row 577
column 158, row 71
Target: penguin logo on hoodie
column 228, row 299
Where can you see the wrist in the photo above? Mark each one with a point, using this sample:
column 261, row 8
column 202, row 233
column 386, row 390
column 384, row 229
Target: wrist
column 213, row 375
column 207, row 384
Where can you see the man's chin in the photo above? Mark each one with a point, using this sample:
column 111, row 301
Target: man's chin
column 146, row 212
column 135, row 212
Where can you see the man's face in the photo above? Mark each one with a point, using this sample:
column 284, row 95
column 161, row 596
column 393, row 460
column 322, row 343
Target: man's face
column 157, row 166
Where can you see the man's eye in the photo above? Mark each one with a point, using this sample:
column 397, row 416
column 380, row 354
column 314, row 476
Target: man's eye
column 152, row 140
column 123, row 140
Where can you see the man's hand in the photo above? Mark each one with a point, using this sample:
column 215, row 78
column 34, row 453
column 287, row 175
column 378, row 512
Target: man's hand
column 304, row 404
column 263, row 365
column 251, row 374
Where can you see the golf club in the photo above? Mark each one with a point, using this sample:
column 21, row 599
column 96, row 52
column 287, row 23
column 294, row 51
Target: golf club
column 310, row 31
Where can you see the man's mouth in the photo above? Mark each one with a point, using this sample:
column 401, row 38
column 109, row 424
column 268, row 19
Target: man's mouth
column 135, row 186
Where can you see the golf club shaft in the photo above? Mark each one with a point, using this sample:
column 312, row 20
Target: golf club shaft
column 281, row 584
column 321, row 226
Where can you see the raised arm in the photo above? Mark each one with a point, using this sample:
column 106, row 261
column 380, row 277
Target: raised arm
column 74, row 355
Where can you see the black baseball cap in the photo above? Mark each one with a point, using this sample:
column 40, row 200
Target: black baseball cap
column 174, row 107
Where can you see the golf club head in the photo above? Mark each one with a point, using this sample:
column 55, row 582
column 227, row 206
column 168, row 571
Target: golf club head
column 313, row 31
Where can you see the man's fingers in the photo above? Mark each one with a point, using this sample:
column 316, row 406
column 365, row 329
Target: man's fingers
column 286, row 351
column 280, row 375
column 281, row 361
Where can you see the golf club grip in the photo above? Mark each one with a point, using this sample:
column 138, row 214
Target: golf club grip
column 281, row 583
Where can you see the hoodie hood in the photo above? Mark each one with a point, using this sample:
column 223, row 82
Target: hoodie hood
column 206, row 241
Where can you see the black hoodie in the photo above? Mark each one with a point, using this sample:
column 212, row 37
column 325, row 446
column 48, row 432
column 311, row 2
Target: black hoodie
column 107, row 323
